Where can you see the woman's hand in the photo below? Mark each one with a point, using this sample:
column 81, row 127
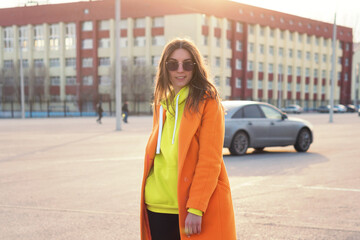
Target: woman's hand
column 192, row 224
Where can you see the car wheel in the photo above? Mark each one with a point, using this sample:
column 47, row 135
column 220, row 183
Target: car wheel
column 303, row 141
column 239, row 144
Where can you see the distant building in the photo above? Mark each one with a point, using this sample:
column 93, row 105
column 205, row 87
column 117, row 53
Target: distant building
column 253, row 53
column 355, row 80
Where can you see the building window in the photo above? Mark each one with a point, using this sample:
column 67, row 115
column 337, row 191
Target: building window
column 308, row 55
column 70, row 36
column 290, row 53
column 217, row 80
column 346, row 77
column 140, row 23
column 280, row 68
column 306, row 88
column 238, row 45
column 139, row 61
column 238, row 64
column 228, row 43
column 317, row 41
column 324, row 58
column 308, row 39
column 38, row 63
column 217, row 23
column 262, row 49
column 281, row 52
column 87, row 80
column 289, row 70
column 158, row 22
column 123, row 24
column 87, row 62
column 228, row 79
column 104, row 61
column 298, row 87
column 104, row 42
column 205, row 20
column 299, row 53
column 55, row 81
column 54, row 62
column 8, row 64
column 271, row 68
column 289, row 86
column 39, row 37
column 251, row 30
column 87, row 26
column 315, row 73
column 23, row 38
column 346, row 62
column 25, row 63
column 217, row 62
column 155, row 60
column 123, row 42
column 323, row 74
column 325, row 42
column 322, row 89
column 158, row 41
column 298, row 71
column 347, row 47
column 70, row 80
column 70, row 62
column 104, row 80
column 8, row 39
column 261, row 67
column 228, row 62
column 251, row 47
column 249, row 83
column 139, row 41
column 271, row 50
column 300, row 38
column 87, row 44
column 205, row 40
column 316, row 58
column 260, row 84
column 250, row 66
column 315, row 88
column 229, row 25
column 238, row 83
column 239, row 27
column 217, row 42
column 104, row 25
column 270, row 85
column 291, row 37
column 307, row 72
column 282, row 34
column 272, row 33
column 262, row 31
column 54, row 37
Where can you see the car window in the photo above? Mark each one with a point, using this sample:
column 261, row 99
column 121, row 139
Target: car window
column 270, row 112
column 239, row 114
column 252, row 111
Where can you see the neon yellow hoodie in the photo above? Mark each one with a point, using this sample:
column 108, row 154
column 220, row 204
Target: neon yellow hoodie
column 161, row 184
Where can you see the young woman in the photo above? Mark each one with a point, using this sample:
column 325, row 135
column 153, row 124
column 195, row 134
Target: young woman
column 185, row 189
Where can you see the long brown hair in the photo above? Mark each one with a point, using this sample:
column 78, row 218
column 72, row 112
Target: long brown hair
column 200, row 86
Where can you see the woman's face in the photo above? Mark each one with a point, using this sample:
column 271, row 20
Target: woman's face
column 180, row 67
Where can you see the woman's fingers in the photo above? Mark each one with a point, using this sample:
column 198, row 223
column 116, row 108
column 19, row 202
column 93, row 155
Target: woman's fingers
column 192, row 224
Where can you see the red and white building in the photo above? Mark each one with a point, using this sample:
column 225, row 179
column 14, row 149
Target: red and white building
column 253, row 53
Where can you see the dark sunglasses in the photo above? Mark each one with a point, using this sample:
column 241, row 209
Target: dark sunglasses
column 174, row 65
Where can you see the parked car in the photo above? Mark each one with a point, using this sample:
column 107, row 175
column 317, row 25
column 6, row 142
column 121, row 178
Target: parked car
column 340, row 108
column 293, row 109
column 326, row 109
column 350, row 108
column 359, row 112
column 250, row 124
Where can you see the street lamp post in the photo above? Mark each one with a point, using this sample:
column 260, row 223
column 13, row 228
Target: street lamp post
column 117, row 66
column 22, row 83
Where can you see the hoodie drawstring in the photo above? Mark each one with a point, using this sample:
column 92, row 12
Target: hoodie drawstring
column 176, row 117
column 160, row 129
column 161, row 124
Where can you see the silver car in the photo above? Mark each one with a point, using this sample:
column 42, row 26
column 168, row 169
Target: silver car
column 250, row 124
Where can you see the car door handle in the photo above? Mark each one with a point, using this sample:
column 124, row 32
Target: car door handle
column 249, row 123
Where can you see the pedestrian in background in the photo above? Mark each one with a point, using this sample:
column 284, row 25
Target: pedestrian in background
column 125, row 111
column 185, row 188
column 99, row 111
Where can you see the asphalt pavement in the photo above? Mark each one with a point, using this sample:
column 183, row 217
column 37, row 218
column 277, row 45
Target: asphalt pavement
column 71, row 178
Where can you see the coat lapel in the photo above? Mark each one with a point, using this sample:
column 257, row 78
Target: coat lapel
column 188, row 127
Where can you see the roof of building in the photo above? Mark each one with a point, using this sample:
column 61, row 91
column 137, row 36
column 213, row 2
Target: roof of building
column 104, row 9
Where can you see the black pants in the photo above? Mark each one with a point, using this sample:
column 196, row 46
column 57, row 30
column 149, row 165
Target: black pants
column 164, row 226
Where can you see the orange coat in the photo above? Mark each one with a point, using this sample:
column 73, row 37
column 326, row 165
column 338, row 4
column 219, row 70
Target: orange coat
column 202, row 179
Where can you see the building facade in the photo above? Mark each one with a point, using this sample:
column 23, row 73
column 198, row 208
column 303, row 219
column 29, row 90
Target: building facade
column 355, row 80
column 68, row 51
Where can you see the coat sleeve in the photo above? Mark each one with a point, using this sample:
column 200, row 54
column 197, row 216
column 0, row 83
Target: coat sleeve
column 207, row 170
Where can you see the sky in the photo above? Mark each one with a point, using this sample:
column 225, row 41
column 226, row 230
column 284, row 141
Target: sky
column 347, row 11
